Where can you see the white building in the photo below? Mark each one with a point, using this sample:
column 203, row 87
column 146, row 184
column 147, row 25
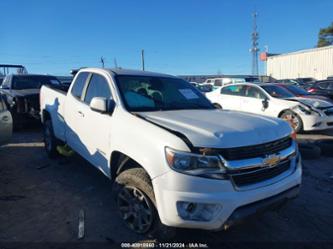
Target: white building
column 316, row 63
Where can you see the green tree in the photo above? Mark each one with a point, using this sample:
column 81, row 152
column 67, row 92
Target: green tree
column 325, row 36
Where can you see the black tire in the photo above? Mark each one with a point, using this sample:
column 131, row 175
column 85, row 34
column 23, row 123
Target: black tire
column 217, row 106
column 136, row 180
column 309, row 151
column 50, row 141
column 294, row 120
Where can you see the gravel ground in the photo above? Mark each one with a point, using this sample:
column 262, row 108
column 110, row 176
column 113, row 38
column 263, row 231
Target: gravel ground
column 40, row 201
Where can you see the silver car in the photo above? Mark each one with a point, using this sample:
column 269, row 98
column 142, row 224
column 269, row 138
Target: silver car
column 6, row 122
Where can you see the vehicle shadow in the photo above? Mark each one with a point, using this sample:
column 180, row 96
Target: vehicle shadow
column 53, row 192
column 93, row 155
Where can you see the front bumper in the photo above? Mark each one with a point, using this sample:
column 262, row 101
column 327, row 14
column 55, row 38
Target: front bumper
column 173, row 187
column 316, row 122
column 261, row 206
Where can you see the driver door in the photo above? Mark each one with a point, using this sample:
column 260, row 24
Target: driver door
column 230, row 97
column 252, row 101
column 96, row 129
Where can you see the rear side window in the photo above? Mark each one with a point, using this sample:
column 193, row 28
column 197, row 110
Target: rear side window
column 237, row 90
column 98, row 87
column 79, row 84
column 253, row 92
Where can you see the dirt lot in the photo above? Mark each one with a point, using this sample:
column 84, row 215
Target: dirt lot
column 40, row 201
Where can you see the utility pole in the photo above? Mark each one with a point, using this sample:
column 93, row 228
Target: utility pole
column 115, row 63
column 143, row 59
column 254, row 50
column 102, row 60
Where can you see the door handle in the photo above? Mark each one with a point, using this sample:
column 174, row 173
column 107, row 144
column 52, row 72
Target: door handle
column 5, row 118
column 81, row 114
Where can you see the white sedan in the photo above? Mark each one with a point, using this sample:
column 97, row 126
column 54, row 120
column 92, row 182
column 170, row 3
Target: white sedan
column 272, row 100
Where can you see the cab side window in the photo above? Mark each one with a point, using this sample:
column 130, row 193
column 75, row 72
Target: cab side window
column 254, row 92
column 79, row 84
column 98, row 87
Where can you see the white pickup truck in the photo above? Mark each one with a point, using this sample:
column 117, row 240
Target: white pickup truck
column 175, row 160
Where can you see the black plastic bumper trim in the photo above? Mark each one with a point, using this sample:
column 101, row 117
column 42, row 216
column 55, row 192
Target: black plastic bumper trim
column 261, row 206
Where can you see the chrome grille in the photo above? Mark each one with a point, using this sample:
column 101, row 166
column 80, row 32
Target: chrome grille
column 259, row 150
column 251, row 177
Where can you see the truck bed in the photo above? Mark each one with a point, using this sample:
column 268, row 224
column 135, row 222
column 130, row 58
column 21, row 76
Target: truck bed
column 52, row 100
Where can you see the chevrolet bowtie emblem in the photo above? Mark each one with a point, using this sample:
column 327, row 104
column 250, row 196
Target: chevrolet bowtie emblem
column 271, row 160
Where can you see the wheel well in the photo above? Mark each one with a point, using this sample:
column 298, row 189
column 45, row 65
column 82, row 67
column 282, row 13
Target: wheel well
column 283, row 111
column 121, row 162
column 217, row 105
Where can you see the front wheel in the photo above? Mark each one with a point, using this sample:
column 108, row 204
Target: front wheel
column 294, row 120
column 136, row 203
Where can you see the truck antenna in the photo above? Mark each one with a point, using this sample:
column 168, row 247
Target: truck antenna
column 102, row 61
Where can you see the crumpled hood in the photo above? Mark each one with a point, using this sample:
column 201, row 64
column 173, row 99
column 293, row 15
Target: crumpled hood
column 314, row 103
column 221, row 129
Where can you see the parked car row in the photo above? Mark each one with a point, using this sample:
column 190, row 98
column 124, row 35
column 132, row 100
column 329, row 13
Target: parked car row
column 323, row 87
column 276, row 100
column 312, row 86
column 302, row 82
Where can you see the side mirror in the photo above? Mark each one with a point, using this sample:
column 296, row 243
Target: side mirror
column 265, row 103
column 102, row 105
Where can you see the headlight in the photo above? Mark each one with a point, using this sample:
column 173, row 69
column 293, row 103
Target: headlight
column 306, row 110
column 303, row 109
column 195, row 164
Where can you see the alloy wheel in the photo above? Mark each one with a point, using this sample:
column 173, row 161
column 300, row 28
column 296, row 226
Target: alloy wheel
column 135, row 208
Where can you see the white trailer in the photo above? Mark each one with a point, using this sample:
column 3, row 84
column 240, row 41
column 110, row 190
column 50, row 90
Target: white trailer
column 316, row 63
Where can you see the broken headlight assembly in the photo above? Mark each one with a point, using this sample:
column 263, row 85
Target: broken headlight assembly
column 209, row 166
column 306, row 110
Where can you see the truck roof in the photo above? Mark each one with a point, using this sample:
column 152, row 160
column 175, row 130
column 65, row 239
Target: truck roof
column 130, row 72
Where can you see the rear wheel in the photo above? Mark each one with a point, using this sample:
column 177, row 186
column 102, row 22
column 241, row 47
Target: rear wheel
column 50, row 141
column 294, row 120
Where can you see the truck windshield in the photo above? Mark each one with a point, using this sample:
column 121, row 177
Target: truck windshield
column 143, row 93
column 33, row 81
column 278, row 92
